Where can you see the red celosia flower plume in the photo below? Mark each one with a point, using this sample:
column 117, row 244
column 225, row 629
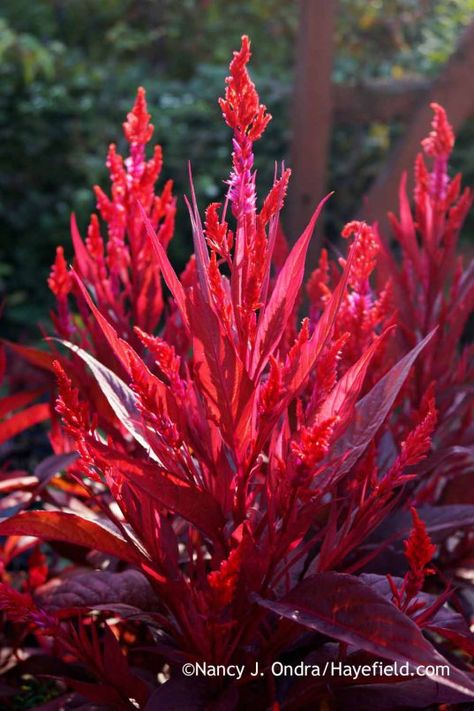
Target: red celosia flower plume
column 60, row 283
column 440, row 142
column 241, row 107
column 432, row 289
column 137, row 128
column 418, row 549
column 119, row 269
column 314, row 442
column 248, row 118
column 419, row 552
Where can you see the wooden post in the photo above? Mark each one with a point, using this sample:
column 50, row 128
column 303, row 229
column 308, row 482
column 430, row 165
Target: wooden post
column 312, row 116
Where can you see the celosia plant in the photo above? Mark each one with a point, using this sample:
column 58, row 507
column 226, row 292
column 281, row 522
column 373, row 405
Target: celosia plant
column 241, row 478
column 432, row 289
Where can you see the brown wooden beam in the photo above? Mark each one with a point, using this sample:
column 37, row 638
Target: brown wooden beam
column 312, row 115
column 377, row 100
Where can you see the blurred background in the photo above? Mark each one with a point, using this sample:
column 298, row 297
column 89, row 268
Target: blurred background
column 347, row 83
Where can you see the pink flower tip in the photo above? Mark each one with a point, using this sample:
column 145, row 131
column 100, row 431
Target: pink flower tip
column 440, row 141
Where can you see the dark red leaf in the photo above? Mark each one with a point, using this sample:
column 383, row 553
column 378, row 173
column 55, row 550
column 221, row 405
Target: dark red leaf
column 281, row 303
column 441, row 521
column 194, row 505
column 54, row 464
column 89, row 590
column 41, row 359
column 23, row 420
column 14, row 402
column 120, row 397
column 344, row 608
column 169, row 275
column 70, row 527
column 370, row 414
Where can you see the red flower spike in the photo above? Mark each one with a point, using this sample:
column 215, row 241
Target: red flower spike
column 60, row 281
column 241, row 108
column 216, row 232
column 164, row 356
column 271, row 391
column 326, row 372
column 223, row 581
column 275, row 198
column 137, row 128
column 301, row 338
column 317, row 285
column 418, row 443
column 419, row 551
column 94, row 241
column 75, row 413
column 440, row 141
column 367, row 250
column 248, row 118
column 117, row 173
column 314, row 442
column 18, row 607
column 162, row 352
column 224, row 309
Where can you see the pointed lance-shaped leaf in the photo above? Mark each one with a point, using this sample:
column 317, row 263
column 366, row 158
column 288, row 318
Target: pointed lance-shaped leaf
column 343, row 607
column 23, row 420
column 120, row 397
column 169, row 275
column 80, row 251
column 70, row 527
column 370, row 413
column 107, row 329
column 282, row 300
column 346, row 391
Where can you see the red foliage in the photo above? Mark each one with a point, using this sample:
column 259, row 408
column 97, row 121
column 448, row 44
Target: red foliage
column 242, row 481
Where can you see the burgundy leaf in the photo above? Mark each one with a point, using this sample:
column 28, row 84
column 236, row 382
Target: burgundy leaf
column 40, row 359
column 109, row 332
column 194, row 505
column 410, row 694
column 70, row 527
column 172, row 281
column 18, row 400
column 54, row 464
column 346, row 391
column 120, row 397
column 343, row 607
column 23, row 420
column 441, row 521
column 281, row 303
column 99, row 588
column 180, row 694
column 370, row 413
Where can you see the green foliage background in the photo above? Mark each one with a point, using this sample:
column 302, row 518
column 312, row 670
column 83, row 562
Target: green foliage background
column 69, row 71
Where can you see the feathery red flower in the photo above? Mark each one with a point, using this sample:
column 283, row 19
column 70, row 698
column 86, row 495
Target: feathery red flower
column 313, row 442
column 60, row 281
column 241, row 107
column 440, row 141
